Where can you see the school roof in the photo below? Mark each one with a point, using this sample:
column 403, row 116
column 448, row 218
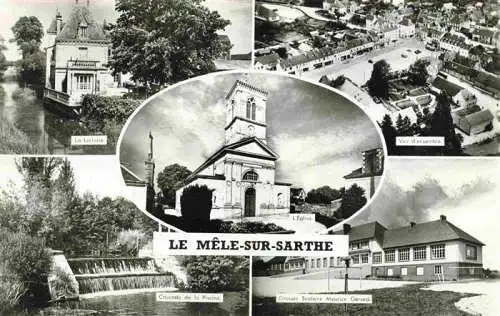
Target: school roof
column 424, row 233
column 480, row 117
column 418, row 233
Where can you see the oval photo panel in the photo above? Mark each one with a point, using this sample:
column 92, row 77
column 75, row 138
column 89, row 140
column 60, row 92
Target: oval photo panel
column 251, row 152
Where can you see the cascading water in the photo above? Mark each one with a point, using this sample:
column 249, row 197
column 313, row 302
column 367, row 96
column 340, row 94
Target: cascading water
column 113, row 274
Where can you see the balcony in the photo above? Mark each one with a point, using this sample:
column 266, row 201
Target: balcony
column 85, row 64
column 60, row 97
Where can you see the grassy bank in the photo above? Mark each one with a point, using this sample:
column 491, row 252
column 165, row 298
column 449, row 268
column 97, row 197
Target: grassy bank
column 407, row 300
column 13, row 141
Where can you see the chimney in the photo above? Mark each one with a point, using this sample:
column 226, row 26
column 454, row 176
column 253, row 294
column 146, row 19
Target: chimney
column 347, row 229
column 58, row 22
column 412, row 224
column 442, row 218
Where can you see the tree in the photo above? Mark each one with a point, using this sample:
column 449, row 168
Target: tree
column 166, row 41
column 322, row 195
column 318, row 42
column 378, row 84
column 418, row 73
column 28, row 34
column 169, row 180
column 390, row 133
column 32, row 68
column 441, row 124
column 3, row 61
column 196, row 203
column 352, row 201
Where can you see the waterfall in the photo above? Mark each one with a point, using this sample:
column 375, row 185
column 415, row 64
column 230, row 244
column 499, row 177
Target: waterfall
column 113, row 274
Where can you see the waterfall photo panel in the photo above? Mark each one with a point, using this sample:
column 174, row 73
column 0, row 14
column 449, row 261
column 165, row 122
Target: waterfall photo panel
column 251, row 152
column 69, row 234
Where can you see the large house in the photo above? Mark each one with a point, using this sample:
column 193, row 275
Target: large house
column 77, row 59
column 435, row 250
column 242, row 172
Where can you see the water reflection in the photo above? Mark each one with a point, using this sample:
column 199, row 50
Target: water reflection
column 235, row 304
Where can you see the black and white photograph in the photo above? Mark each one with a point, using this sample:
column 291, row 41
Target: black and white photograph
column 429, row 236
column 72, row 244
column 72, row 71
column 227, row 153
column 418, row 68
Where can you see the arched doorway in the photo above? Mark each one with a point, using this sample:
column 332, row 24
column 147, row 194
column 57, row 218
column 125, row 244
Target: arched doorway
column 250, row 202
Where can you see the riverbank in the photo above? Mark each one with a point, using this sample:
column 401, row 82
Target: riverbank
column 13, row 140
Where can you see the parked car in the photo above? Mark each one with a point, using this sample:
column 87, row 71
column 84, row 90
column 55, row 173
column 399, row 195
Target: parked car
column 408, row 50
column 404, row 55
column 418, row 51
column 370, row 61
column 377, row 100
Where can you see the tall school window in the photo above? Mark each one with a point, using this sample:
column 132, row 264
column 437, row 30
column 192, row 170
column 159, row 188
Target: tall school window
column 420, row 253
column 312, row 264
column 470, row 252
column 318, row 263
column 355, row 259
column 437, row 251
column 364, row 258
column 404, row 271
column 280, row 199
column 438, row 269
column 404, row 254
column 420, row 270
column 390, row 272
column 251, row 176
column 332, row 261
column 390, row 255
column 377, row 257
column 325, row 262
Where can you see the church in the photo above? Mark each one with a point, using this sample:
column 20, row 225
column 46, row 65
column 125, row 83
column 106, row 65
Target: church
column 242, row 172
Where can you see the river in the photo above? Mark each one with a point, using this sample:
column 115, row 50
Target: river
column 47, row 131
column 235, row 304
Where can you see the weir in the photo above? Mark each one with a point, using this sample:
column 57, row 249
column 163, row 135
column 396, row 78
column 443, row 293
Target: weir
column 113, row 274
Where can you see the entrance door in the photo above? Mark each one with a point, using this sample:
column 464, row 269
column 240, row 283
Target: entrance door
column 250, row 202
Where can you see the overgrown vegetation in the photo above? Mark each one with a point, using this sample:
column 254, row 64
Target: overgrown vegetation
column 24, row 265
column 216, row 273
column 106, row 116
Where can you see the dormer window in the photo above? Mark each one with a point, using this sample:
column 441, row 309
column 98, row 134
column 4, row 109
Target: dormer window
column 82, row 30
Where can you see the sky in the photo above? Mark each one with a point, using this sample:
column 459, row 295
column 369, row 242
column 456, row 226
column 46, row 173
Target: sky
column 318, row 134
column 239, row 12
column 99, row 175
column 465, row 190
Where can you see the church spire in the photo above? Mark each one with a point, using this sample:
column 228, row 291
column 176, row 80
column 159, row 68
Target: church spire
column 150, row 163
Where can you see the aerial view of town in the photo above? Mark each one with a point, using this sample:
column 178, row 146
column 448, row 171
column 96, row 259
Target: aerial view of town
column 418, row 68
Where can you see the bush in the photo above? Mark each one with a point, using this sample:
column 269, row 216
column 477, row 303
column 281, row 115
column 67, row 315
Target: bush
column 23, row 261
column 216, row 273
column 196, row 203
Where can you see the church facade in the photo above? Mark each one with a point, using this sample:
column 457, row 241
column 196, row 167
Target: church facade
column 242, row 172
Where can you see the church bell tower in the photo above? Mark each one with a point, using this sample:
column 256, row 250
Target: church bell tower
column 245, row 112
column 150, row 164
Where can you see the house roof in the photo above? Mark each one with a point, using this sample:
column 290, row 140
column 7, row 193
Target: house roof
column 233, row 148
column 81, row 16
column 479, row 117
column 423, row 233
column 130, row 178
column 271, row 59
column 447, row 86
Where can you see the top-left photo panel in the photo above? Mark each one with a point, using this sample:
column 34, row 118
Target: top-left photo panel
column 73, row 71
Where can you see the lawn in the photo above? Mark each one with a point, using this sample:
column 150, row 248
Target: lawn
column 406, row 300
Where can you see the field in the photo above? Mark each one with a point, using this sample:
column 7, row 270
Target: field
column 406, row 300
